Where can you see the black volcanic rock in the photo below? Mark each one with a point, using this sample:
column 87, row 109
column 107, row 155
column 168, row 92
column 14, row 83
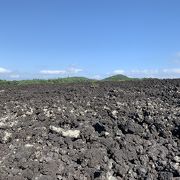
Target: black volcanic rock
column 115, row 130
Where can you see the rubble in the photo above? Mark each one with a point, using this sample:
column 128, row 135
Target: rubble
column 113, row 131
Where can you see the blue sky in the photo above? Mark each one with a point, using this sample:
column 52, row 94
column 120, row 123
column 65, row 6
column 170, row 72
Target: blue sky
column 93, row 38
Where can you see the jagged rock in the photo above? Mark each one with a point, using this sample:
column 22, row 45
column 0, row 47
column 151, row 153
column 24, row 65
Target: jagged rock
column 125, row 130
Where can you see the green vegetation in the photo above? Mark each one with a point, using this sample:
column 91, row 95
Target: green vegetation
column 49, row 81
column 119, row 77
column 65, row 80
column 4, row 82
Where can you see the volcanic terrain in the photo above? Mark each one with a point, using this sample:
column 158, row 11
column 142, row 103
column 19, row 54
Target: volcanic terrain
column 102, row 131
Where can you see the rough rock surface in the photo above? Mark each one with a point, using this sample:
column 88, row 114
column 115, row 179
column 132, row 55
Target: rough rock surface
column 102, row 131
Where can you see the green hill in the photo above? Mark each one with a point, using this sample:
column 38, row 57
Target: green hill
column 53, row 81
column 118, row 77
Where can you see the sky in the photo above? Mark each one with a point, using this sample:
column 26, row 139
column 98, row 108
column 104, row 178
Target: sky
column 92, row 38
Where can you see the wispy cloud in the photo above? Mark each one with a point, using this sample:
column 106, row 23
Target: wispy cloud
column 160, row 73
column 178, row 54
column 150, row 73
column 98, row 77
column 119, row 71
column 156, row 73
column 136, row 72
column 176, row 61
column 174, row 70
column 176, row 58
column 8, row 74
column 73, row 70
column 68, row 71
column 14, row 76
column 144, row 71
column 4, row 70
column 53, row 72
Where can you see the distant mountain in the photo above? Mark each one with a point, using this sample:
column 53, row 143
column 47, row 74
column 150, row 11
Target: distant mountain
column 118, row 77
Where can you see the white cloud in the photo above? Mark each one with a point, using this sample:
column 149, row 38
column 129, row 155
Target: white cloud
column 174, row 71
column 61, row 72
column 4, row 71
column 178, row 54
column 137, row 72
column 145, row 71
column 14, row 76
column 176, row 58
column 73, row 70
column 155, row 73
column 176, row 61
column 119, row 71
column 53, row 72
column 98, row 77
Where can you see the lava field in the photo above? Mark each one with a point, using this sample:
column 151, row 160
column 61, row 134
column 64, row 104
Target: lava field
column 102, row 131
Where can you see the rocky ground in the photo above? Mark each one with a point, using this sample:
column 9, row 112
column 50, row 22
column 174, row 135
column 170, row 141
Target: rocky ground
column 101, row 131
